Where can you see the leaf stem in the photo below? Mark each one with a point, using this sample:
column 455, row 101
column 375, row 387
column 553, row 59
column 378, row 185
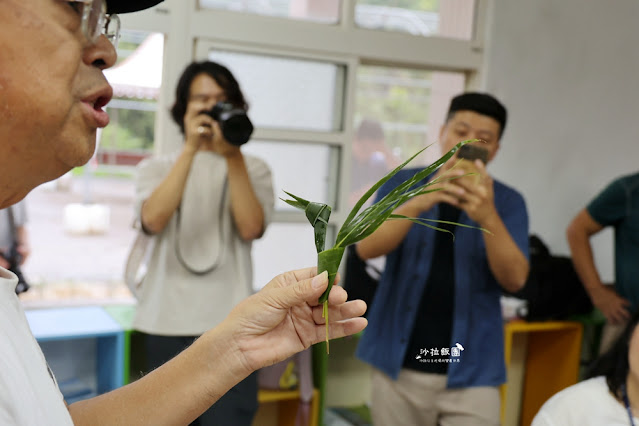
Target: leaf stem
column 325, row 316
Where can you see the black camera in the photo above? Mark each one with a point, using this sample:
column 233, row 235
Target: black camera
column 234, row 123
column 14, row 258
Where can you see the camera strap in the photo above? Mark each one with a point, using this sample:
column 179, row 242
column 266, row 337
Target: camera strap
column 178, row 252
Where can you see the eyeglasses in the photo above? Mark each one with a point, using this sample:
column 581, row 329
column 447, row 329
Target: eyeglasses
column 95, row 20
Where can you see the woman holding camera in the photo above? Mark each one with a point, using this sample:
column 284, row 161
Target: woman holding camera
column 204, row 205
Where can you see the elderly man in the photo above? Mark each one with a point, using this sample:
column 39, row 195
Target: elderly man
column 52, row 91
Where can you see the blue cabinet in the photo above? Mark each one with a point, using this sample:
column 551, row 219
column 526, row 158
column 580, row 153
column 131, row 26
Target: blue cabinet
column 84, row 346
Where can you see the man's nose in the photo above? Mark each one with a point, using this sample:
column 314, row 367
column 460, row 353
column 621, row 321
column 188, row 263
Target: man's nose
column 100, row 54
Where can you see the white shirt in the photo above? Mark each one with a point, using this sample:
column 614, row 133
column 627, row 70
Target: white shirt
column 588, row 403
column 28, row 392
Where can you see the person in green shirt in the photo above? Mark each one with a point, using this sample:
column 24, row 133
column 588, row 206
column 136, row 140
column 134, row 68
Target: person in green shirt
column 617, row 207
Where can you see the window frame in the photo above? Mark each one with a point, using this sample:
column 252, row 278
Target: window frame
column 188, row 25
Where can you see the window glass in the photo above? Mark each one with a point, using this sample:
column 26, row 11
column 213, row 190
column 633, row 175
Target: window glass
column 287, row 93
column 398, row 112
column 444, row 18
column 136, row 80
column 323, row 11
column 285, row 247
column 302, row 169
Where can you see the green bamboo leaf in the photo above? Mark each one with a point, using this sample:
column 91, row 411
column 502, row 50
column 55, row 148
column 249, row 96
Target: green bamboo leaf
column 424, row 221
column 329, row 260
column 392, row 196
column 375, row 187
column 298, row 199
column 294, row 204
column 318, row 215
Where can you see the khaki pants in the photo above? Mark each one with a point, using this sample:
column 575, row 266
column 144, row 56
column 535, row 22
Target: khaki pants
column 421, row 399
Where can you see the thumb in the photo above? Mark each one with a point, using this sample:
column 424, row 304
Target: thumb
column 303, row 291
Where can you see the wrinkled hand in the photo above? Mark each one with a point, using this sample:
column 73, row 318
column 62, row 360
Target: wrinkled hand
column 613, row 306
column 477, row 197
column 284, row 318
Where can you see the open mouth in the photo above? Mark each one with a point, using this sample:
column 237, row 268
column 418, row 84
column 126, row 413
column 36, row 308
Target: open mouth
column 101, row 102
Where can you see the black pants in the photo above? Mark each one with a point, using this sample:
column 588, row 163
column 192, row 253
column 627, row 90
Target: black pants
column 235, row 408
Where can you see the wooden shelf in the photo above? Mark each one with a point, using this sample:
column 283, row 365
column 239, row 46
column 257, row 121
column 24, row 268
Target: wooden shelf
column 542, row 358
column 279, row 408
column 265, row 395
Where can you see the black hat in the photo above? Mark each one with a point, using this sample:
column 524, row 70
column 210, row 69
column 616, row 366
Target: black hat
column 480, row 103
column 126, row 6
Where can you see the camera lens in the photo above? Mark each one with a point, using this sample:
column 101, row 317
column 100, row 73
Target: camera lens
column 234, row 123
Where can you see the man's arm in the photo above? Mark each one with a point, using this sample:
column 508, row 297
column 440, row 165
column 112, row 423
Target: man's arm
column 158, row 209
column 176, row 393
column 280, row 320
column 246, row 209
column 506, row 261
column 578, row 234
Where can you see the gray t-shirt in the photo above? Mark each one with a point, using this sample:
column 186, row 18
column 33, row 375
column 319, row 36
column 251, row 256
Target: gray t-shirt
column 173, row 300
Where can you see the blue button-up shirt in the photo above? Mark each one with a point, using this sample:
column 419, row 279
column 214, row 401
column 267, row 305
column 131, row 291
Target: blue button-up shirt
column 477, row 319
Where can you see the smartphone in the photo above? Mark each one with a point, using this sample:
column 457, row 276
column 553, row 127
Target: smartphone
column 472, row 153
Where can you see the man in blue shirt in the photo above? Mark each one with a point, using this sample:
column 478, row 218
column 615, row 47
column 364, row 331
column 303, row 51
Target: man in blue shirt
column 616, row 206
column 435, row 334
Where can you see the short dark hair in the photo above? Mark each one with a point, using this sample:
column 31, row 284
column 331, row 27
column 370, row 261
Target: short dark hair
column 614, row 364
column 217, row 72
column 481, row 103
column 369, row 129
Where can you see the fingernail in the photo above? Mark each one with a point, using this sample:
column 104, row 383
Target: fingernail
column 318, row 281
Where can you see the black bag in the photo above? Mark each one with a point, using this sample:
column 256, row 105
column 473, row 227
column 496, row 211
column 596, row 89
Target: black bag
column 553, row 289
column 13, row 256
column 358, row 281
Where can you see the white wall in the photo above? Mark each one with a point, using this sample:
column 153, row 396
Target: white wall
column 567, row 71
